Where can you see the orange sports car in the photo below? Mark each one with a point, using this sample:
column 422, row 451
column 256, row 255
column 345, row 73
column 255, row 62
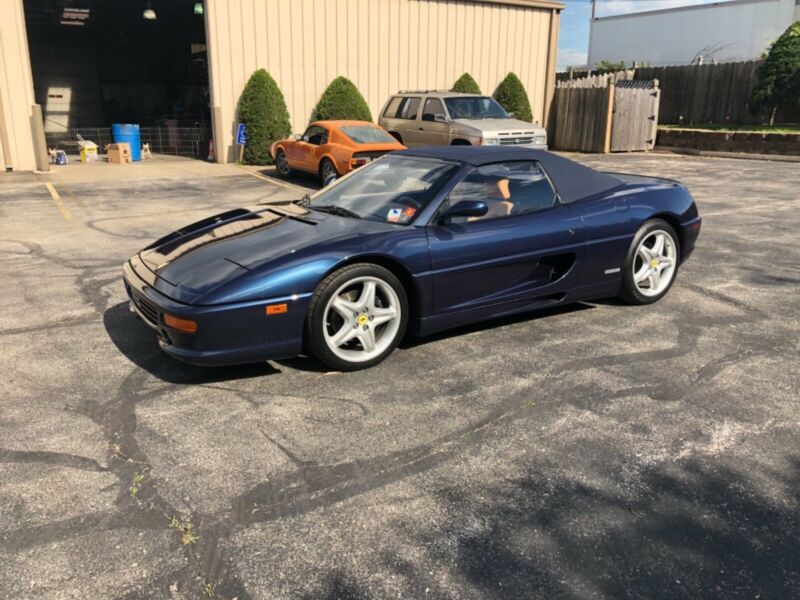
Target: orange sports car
column 333, row 148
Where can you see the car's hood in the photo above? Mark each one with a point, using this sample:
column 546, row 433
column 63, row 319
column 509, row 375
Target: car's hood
column 510, row 126
column 194, row 261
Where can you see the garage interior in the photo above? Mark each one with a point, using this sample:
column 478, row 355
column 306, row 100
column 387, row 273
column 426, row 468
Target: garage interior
column 99, row 62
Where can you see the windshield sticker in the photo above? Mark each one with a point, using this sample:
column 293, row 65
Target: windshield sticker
column 394, row 215
column 409, row 212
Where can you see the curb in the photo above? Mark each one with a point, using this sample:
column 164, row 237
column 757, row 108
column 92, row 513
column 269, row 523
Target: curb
column 720, row 154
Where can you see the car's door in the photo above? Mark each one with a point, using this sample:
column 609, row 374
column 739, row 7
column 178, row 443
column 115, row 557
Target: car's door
column 304, row 155
column 430, row 131
column 528, row 244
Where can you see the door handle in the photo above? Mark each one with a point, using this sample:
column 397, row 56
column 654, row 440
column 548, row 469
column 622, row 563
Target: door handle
column 422, row 129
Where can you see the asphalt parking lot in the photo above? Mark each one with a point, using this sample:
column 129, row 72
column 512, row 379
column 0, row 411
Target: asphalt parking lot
column 599, row 451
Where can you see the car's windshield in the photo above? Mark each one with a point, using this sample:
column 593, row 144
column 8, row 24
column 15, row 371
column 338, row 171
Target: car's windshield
column 475, row 107
column 364, row 134
column 392, row 189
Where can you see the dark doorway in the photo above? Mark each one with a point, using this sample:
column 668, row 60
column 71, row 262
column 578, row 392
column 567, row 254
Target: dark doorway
column 99, row 62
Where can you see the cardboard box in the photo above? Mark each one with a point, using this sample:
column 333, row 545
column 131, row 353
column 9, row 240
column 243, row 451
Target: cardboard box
column 119, row 153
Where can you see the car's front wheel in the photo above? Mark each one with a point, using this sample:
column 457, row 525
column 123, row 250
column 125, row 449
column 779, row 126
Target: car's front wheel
column 357, row 317
column 651, row 264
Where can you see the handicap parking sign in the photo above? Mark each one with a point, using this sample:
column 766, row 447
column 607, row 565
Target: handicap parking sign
column 241, row 134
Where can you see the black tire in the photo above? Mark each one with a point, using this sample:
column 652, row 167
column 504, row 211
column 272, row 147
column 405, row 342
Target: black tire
column 460, row 143
column 630, row 292
column 282, row 165
column 327, row 171
column 314, row 336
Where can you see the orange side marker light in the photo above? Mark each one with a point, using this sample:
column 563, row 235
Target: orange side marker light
column 277, row 309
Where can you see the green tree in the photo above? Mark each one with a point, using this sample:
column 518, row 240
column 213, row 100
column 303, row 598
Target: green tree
column 606, row 66
column 263, row 110
column 341, row 100
column 779, row 74
column 512, row 96
column 466, row 85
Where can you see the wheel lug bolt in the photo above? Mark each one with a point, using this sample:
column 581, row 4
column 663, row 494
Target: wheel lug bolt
column 366, row 327
column 371, row 317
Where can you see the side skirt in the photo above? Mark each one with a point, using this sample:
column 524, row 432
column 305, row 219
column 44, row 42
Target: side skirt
column 435, row 323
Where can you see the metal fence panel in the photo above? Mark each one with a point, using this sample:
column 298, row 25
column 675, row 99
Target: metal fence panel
column 178, row 141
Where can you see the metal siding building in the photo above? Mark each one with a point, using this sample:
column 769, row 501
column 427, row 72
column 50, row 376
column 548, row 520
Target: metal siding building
column 16, row 90
column 737, row 30
column 381, row 45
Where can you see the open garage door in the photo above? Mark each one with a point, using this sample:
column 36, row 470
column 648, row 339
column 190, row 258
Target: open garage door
column 100, row 62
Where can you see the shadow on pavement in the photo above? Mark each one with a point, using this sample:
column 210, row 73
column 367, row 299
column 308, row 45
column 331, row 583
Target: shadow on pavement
column 693, row 529
column 309, row 181
column 411, row 341
column 138, row 343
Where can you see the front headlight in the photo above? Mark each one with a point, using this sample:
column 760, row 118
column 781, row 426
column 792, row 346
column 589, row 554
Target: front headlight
column 490, row 141
column 539, row 139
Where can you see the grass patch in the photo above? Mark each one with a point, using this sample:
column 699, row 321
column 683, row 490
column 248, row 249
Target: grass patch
column 785, row 128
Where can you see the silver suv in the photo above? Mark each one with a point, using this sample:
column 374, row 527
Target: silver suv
column 437, row 118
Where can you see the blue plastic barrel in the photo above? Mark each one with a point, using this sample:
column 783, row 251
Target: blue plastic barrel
column 127, row 132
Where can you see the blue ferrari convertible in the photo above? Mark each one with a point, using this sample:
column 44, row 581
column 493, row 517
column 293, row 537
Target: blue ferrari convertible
column 419, row 240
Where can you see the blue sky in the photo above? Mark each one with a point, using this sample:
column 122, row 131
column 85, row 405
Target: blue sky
column 573, row 39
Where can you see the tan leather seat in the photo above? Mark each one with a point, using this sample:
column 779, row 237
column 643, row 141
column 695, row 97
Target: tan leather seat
column 498, row 199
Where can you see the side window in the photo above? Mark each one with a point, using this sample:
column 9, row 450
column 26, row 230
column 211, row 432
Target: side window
column 391, row 108
column 316, row 135
column 409, row 108
column 433, row 107
column 508, row 188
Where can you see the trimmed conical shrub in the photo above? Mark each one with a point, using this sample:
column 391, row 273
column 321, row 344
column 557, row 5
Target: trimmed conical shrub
column 466, row 85
column 341, row 100
column 512, row 96
column 263, row 110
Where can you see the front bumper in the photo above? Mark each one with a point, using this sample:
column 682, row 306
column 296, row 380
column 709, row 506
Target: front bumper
column 226, row 334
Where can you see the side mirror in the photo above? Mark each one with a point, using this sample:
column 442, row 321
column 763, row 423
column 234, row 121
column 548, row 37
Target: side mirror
column 465, row 208
column 512, row 115
column 298, row 137
column 440, row 118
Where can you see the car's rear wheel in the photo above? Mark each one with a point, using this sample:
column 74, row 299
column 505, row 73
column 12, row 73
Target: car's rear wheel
column 357, row 317
column 327, row 171
column 651, row 264
column 282, row 164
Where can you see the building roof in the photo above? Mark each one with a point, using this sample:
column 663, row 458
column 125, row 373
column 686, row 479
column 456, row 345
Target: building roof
column 572, row 180
column 548, row 4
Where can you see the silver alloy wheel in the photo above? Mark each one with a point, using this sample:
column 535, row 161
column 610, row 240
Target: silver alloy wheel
column 361, row 319
column 282, row 163
column 655, row 263
column 329, row 173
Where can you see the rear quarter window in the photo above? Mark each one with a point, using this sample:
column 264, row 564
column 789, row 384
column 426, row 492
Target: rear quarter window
column 391, row 108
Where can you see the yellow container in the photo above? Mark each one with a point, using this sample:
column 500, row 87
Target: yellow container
column 89, row 153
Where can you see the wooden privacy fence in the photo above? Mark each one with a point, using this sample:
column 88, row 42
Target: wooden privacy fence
column 705, row 93
column 699, row 94
column 612, row 117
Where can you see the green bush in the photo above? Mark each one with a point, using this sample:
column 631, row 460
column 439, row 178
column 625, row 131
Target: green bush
column 512, row 96
column 341, row 100
column 263, row 110
column 779, row 74
column 466, row 85
column 606, row 66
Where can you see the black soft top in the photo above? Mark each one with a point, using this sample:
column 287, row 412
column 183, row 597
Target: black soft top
column 572, row 180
